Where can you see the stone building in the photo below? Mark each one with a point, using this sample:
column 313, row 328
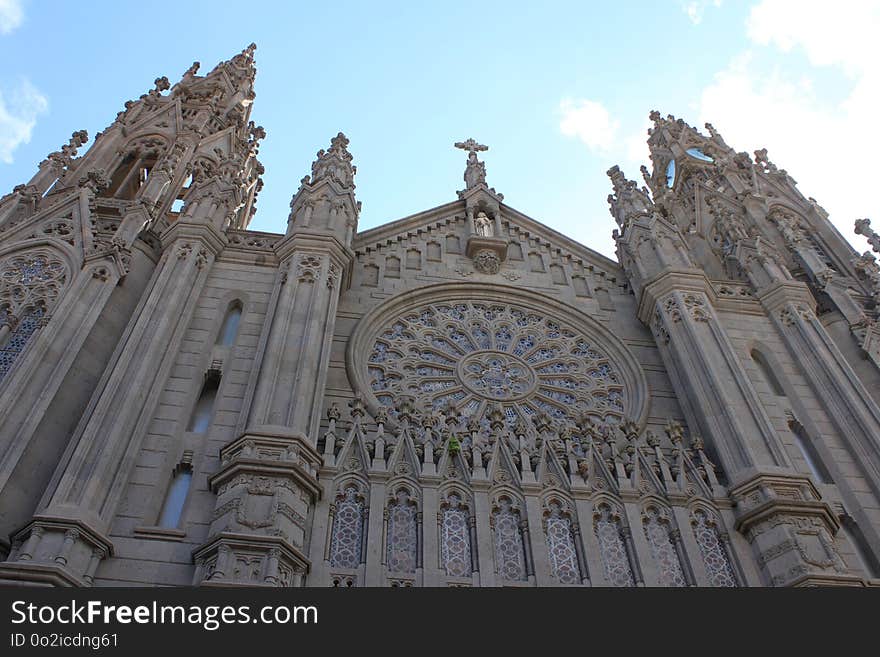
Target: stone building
column 462, row 397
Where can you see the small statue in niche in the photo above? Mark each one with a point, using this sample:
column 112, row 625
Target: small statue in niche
column 483, row 225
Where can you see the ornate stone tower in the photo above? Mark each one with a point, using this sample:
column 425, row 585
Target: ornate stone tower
column 766, row 320
column 108, row 263
column 268, row 479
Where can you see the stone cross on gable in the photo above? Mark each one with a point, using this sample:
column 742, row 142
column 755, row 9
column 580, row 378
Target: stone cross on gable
column 475, row 173
column 471, row 146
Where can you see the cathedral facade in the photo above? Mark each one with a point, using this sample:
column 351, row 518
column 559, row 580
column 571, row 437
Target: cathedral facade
column 463, row 397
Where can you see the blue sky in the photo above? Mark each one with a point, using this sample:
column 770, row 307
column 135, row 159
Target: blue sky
column 559, row 91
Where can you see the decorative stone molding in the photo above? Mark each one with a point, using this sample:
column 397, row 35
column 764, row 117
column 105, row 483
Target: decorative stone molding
column 790, row 529
column 265, row 488
column 55, row 552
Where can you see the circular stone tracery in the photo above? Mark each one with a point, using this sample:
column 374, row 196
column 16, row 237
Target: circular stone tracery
column 478, row 353
column 496, row 375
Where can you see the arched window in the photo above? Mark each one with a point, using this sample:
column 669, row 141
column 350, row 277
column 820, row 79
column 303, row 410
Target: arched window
column 455, row 537
column 812, row 459
column 175, row 498
column 510, row 563
column 658, row 533
column 203, row 413
column 346, row 543
column 612, row 548
column 768, row 373
column 402, row 534
column 713, row 551
column 17, row 339
column 560, row 545
column 229, row 329
column 31, row 282
column 130, row 175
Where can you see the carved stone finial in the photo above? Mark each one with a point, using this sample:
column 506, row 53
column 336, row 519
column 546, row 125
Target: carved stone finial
column 675, row 431
column 863, row 227
column 64, row 157
column 334, row 164
column 357, row 406
column 475, row 172
column 95, row 179
column 496, row 417
column 628, row 201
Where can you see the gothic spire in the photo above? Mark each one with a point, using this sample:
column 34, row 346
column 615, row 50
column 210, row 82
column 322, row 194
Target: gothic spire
column 325, row 199
column 334, row 164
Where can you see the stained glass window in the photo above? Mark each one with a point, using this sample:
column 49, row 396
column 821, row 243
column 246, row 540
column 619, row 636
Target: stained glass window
column 509, row 548
column 714, row 555
column 402, row 550
column 30, row 283
column 455, row 542
column 348, row 531
column 664, row 553
column 561, row 548
column 612, row 550
column 19, row 339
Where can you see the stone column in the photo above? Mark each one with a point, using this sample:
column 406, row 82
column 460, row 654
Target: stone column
column 90, row 481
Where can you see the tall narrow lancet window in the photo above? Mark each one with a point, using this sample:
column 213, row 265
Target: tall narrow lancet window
column 808, row 451
column 714, row 554
column 402, row 535
column 768, row 373
column 510, row 563
column 659, row 535
column 175, row 498
column 229, row 329
column 31, row 282
column 561, row 546
column 612, row 549
column 203, row 412
column 455, row 538
column 130, row 175
column 347, row 539
column 14, row 342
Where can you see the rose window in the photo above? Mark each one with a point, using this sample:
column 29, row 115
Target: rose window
column 476, row 354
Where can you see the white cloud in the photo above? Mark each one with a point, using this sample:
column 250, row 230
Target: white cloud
column 18, row 116
column 696, row 8
column 588, row 121
column 11, row 15
column 824, row 145
column 839, row 33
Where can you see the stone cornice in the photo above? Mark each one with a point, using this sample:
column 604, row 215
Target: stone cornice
column 671, row 280
column 304, row 240
column 780, row 293
column 205, row 233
